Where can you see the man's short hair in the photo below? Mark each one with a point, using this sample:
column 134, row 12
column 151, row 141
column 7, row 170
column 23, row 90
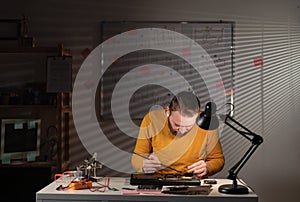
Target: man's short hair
column 185, row 102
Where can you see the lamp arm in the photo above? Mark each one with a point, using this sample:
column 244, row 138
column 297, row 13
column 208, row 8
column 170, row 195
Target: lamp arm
column 233, row 172
column 256, row 140
column 245, row 133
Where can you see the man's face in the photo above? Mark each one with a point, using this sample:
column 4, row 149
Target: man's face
column 180, row 125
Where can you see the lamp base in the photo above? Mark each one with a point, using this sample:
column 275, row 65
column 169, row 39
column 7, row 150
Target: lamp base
column 233, row 189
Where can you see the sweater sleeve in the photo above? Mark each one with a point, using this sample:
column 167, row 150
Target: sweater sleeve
column 143, row 146
column 215, row 159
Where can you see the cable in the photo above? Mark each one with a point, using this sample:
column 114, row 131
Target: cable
column 243, row 183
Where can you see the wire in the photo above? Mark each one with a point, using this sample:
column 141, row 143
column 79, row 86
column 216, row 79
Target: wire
column 62, row 188
column 243, row 183
column 102, row 186
column 228, row 103
column 145, row 157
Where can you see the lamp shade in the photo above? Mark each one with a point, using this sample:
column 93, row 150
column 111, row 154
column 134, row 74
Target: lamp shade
column 208, row 120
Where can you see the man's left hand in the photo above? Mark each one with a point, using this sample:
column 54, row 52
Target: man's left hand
column 199, row 168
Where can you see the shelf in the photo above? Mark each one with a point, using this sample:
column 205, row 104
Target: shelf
column 57, row 50
column 28, row 106
column 27, row 164
column 55, row 109
column 29, row 50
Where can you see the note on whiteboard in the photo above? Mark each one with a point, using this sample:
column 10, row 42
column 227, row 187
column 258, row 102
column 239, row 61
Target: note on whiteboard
column 59, row 74
column 5, row 158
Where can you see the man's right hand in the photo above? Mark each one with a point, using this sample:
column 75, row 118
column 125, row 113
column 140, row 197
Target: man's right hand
column 151, row 165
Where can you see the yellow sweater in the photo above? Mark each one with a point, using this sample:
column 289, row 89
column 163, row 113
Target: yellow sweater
column 178, row 152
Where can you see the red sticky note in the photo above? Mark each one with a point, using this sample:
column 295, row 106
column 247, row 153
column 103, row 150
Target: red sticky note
column 145, row 71
column 220, row 84
column 228, row 92
column 258, row 62
column 186, row 51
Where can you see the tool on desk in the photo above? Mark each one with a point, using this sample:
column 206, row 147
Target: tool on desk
column 210, row 181
column 145, row 157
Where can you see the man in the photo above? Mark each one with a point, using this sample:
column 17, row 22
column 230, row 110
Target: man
column 169, row 141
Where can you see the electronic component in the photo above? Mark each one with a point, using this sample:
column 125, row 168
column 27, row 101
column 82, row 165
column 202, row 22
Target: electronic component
column 210, row 181
column 82, row 184
column 163, row 180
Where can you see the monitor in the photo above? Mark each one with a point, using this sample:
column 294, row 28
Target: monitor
column 20, row 139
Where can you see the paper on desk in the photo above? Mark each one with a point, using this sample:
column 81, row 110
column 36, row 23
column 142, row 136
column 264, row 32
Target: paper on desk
column 152, row 192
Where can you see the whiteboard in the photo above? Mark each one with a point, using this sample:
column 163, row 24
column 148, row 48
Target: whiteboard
column 216, row 38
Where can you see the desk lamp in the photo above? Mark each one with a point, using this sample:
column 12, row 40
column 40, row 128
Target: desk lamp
column 208, row 120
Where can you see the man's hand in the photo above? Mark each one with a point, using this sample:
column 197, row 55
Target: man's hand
column 151, row 165
column 199, row 168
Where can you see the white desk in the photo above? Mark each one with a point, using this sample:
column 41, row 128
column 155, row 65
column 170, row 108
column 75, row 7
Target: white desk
column 50, row 194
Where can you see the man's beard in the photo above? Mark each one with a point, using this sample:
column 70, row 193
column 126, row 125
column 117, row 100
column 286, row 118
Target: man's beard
column 179, row 134
column 176, row 133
